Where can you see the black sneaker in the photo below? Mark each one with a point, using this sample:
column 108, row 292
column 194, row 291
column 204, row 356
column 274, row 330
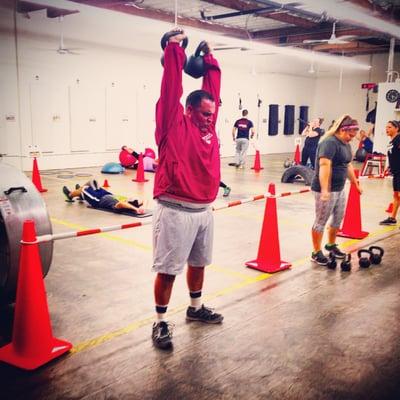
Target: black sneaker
column 67, row 194
column 319, row 258
column 334, row 249
column 162, row 335
column 388, row 221
column 203, row 314
column 81, row 198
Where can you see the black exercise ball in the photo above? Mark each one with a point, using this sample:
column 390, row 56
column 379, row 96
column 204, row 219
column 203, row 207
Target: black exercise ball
column 361, row 155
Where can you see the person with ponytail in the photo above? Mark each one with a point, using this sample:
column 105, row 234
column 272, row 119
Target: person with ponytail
column 332, row 168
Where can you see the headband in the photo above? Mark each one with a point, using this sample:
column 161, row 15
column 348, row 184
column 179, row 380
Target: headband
column 349, row 127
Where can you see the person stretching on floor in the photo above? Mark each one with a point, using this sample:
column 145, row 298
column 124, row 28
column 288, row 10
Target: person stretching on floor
column 98, row 197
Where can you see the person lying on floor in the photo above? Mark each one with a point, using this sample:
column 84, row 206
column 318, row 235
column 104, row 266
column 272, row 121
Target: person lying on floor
column 98, row 197
column 149, row 163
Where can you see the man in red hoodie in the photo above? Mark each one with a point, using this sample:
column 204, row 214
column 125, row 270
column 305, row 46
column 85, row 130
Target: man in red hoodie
column 186, row 183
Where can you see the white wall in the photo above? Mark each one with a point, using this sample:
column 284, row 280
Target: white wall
column 331, row 100
column 386, row 111
column 79, row 109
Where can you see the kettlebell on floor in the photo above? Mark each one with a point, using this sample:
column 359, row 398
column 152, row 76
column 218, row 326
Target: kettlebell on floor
column 364, row 261
column 376, row 254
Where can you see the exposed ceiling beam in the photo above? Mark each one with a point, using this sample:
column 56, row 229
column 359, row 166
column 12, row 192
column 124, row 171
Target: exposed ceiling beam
column 52, row 12
column 295, row 35
column 393, row 12
column 291, row 19
column 166, row 17
column 344, row 46
column 276, row 12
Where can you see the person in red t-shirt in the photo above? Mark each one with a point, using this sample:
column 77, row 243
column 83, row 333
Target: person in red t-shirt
column 186, row 183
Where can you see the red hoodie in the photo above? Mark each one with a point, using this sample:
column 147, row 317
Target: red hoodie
column 189, row 164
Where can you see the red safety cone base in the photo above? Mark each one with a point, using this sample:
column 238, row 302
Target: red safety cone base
column 353, row 235
column 268, row 267
column 10, row 356
column 257, row 169
column 140, row 180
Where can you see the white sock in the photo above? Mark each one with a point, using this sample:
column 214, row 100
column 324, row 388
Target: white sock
column 161, row 311
column 195, row 300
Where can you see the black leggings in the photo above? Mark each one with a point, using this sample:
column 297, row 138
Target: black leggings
column 222, row 184
column 309, row 152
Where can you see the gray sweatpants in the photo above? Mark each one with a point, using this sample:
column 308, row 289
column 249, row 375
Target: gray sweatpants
column 242, row 145
column 324, row 209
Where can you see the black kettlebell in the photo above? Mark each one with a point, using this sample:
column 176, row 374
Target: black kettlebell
column 195, row 65
column 165, row 39
column 376, row 254
column 332, row 264
column 364, row 262
column 345, row 265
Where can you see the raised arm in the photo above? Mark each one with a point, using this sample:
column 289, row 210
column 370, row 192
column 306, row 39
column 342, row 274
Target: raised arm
column 212, row 80
column 169, row 109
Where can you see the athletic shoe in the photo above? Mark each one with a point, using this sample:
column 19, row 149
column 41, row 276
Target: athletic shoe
column 81, row 198
column 319, row 258
column 334, row 249
column 388, row 221
column 93, row 184
column 162, row 335
column 67, row 194
column 227, row 190
column 203, row 314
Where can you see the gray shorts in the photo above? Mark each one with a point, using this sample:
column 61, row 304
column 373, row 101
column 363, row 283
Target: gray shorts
column 181, row 236
column 324, row 209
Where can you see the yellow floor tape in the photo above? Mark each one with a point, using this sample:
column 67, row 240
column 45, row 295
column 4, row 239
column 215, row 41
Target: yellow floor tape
column 246, row 281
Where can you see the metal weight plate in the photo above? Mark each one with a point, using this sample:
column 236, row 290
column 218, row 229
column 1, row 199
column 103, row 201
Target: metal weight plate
column 17, row 205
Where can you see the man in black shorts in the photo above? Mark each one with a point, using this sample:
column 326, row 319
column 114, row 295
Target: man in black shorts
column 393, row 131
column 242, row 129
column 98, row 197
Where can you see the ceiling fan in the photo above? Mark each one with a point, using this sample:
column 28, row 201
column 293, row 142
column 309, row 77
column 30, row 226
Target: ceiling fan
column 62, row 49
column 333, row 39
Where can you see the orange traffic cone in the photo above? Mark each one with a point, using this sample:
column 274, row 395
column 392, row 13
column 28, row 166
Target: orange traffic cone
column 140, row 171
column 257, row 163
column 297, row 155
column 36, row 177
column 351, row 227
column 389, row 210
column 105, row 184
column 32, row 341
column 269, row 255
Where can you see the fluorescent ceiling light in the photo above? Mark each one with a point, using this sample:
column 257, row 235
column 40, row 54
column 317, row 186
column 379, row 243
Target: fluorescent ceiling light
column 343, row 11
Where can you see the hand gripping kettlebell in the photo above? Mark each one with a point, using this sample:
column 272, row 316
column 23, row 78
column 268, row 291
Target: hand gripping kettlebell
column 164, row 42
column 364, row 262
column 346, row 263
column 332, row 264
column 195, row 66
column 376, row 254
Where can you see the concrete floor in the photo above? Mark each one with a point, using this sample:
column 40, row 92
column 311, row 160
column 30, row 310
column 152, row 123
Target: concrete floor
column 304, row 333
